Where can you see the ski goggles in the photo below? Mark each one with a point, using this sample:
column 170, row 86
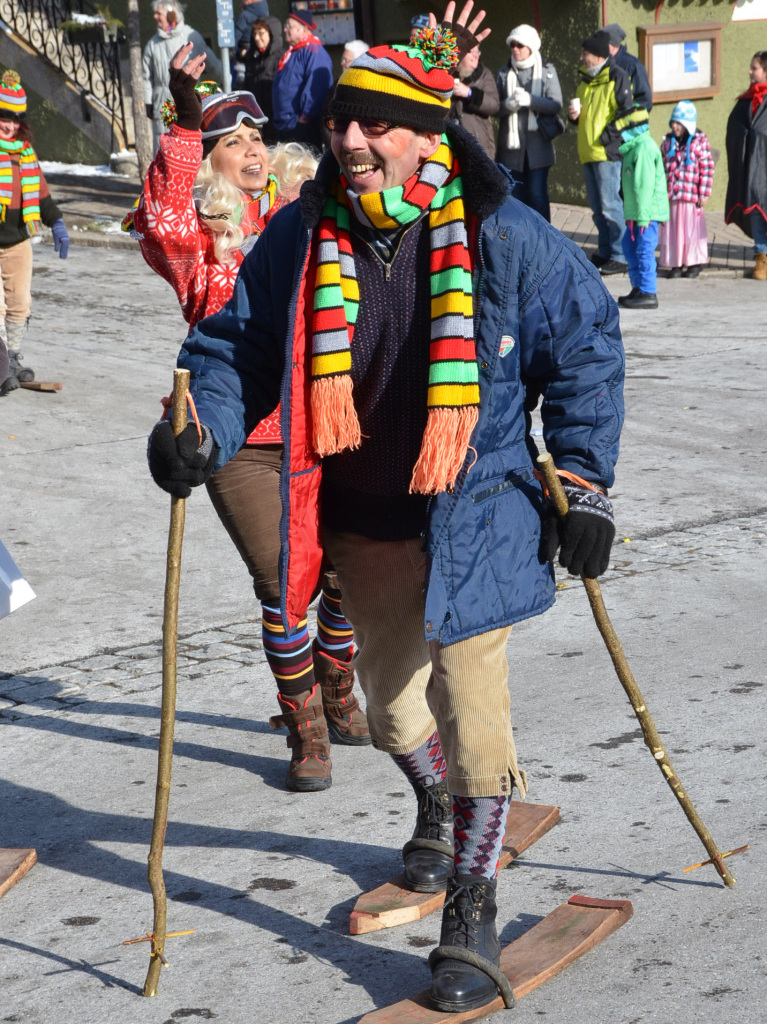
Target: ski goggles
column 224, row 112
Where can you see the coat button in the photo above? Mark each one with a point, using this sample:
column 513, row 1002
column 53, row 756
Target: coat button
column 483, row 365
column 428, row 626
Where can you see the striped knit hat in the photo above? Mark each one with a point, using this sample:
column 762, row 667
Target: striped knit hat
column 407, row 85
column 13, row 99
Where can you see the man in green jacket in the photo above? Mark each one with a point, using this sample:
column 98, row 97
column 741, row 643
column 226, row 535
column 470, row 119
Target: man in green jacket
column 604, row 93
column 645, row 205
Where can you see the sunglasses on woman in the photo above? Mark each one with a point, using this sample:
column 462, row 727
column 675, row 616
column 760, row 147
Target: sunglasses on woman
column 371, row 129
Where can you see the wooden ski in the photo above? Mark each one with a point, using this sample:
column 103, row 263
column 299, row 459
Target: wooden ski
column 530, row 961
column 14, row 864
column 391, row 904
column 41, row 385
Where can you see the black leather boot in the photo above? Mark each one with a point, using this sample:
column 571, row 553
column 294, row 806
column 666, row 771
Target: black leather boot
column 465, row 971
column 428, row 856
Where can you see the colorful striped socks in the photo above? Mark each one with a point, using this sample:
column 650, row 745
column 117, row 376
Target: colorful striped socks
column 424, row 766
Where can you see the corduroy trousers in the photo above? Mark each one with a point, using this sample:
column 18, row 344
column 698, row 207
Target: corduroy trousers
column 413, row 686
column 16, row 278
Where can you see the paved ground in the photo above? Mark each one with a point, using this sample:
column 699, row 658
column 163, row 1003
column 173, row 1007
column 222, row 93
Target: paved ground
column 268, row 878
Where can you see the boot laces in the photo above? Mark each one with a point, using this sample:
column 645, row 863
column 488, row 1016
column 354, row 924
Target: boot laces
column 463, row 905
column 435, row 811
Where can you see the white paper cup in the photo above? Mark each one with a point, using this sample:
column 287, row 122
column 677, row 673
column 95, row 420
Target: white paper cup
column 575, row 106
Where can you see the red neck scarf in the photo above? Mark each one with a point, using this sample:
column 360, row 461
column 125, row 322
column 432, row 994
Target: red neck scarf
column 756, row 93
column 297, row 46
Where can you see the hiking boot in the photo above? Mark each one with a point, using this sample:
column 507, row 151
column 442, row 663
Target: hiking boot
column 759, row 273
column 675, row 272
column 465, row 971
column 10, row 383
column 597, row 260
column 642, row 300
column 428, row 856
column 613, row 267
column 692, row 271
column 309, row 768
column 346, row 721
column 21, row 373
column 631, row 295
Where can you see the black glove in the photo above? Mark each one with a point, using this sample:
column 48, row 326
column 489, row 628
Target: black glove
column 464, row 39
column 179, row 463
column 584, row 537
column 188, row 103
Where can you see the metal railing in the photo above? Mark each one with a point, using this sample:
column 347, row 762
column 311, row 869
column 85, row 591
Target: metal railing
column 89, row 55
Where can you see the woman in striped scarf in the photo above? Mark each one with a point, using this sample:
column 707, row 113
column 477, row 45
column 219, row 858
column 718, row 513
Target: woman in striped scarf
column 25, row 206
column 208, row 195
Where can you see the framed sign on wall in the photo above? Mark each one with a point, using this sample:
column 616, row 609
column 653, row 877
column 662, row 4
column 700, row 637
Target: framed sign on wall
column 684, row 61
column 334, row 19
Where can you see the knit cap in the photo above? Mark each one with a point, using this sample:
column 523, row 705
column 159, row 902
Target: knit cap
column 686, row 114
column 526, row 35
column 305, row 18
column 13, row 99
column 598, row 44
column 616, row 33
column 407, row 85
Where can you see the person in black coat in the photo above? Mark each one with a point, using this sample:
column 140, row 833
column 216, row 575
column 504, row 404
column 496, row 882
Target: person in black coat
column 634, row 68
column 746, row 202
column 261, row 62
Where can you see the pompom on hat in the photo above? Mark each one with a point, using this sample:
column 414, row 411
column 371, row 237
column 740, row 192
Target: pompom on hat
column 13, row 99
column 526, row 35
column 407, row 85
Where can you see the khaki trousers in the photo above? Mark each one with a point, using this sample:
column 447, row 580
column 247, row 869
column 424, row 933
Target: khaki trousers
column 414, row 687
column 16, row 278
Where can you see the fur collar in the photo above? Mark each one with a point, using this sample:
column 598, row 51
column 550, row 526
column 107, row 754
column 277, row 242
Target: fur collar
column 485, row 186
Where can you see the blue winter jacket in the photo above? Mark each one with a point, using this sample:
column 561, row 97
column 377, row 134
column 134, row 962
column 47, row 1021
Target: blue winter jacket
column 301, row 87
column 546, row 328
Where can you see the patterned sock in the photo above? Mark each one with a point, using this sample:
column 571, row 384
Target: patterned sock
column 335, row 636
column 479, row 825
column 425, row 765
column 289, row 657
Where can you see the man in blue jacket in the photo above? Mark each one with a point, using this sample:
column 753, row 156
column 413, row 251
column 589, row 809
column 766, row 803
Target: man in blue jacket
column 301, row 85
column 409, row 314
column 634, row 68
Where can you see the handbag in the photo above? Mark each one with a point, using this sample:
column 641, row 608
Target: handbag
column 551, row 126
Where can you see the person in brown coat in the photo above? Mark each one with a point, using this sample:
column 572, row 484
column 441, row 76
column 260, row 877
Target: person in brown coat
column 475, row 99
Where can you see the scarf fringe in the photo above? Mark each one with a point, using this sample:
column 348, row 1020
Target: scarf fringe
column 443, row 449
column 334, row 418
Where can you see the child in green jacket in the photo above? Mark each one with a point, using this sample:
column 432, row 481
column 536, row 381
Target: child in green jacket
column 645, row 205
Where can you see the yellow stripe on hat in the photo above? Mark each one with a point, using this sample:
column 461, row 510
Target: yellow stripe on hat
column 361, row 78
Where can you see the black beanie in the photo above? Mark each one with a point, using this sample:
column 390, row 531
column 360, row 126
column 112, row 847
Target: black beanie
column 598, row 44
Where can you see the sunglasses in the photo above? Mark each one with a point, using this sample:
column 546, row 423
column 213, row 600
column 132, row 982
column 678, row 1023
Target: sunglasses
column 371, row 129
column 516, row 46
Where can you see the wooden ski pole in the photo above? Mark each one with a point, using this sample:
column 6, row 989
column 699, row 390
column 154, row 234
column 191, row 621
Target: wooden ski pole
column 168, row 715
column 629, row 684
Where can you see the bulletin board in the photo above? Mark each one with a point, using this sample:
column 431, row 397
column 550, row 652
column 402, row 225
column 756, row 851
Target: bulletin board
column 684, row 61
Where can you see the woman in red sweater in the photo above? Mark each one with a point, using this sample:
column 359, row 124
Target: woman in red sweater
column 207, row 197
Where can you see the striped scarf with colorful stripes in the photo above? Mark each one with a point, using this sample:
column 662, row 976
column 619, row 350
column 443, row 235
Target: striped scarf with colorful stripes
column 29, row 170
column 453, row 394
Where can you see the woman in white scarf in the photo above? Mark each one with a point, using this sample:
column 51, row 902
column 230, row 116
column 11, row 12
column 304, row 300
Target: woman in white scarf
column 529, row 90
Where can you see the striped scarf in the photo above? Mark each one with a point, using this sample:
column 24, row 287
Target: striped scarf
column 453, row 394
column 30, row 183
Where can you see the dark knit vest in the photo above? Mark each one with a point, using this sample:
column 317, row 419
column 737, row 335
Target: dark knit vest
column 365, row 491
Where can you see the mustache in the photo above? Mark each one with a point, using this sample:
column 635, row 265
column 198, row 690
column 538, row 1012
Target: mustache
column 348, row 157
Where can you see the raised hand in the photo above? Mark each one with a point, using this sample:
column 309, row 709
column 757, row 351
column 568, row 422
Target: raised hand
column 194, row 68
column 463, row 18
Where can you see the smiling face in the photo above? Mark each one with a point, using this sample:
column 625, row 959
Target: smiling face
column 261, row 37
column 242, row 158
column 161, row 20
column 294, row 31
column 8, row 128
column 756, row 72
column 375, row 164
column 678, row 129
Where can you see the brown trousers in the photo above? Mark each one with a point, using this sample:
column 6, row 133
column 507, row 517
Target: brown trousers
column 16, row 282
column 414, row 687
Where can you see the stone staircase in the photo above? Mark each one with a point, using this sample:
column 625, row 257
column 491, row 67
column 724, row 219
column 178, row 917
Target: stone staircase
column 75, row 67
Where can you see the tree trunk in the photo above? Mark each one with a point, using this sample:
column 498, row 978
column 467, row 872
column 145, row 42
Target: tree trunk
column 141, row 126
